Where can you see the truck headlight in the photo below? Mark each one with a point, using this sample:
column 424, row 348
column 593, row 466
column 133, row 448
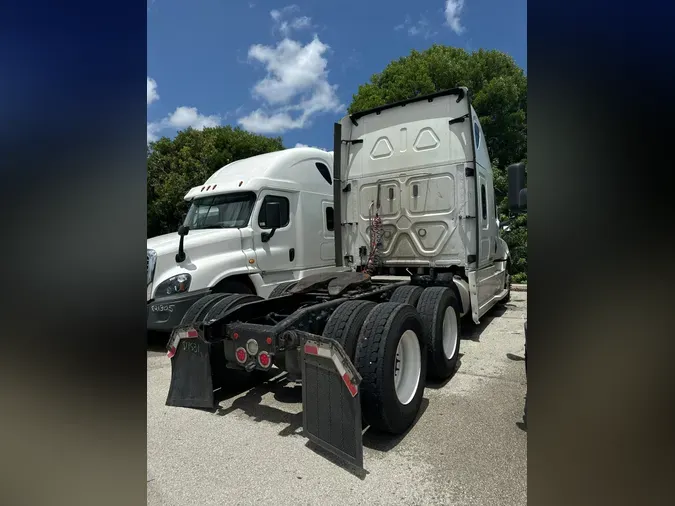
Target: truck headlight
column 175, row 284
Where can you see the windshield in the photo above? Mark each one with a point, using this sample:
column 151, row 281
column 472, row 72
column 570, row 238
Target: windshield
column 231, row 210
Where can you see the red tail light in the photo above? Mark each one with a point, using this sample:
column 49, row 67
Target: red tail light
column 264, row 359
column 241, row 355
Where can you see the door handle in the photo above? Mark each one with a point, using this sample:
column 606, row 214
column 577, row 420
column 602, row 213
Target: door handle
column 291, row 254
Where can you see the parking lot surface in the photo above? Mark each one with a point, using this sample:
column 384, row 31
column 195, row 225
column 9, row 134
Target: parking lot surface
column 468, row 446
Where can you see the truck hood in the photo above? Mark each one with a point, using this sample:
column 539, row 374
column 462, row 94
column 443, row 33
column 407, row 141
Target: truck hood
column 196, row 239
column 209, row 253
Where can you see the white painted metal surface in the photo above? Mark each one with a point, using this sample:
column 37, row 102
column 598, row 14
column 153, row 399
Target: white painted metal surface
column 426, row 163
column 303, row 246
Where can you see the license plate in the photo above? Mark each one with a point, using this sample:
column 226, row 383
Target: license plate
column 191, row 346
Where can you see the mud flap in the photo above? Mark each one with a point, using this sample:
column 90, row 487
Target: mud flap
column 331, row 402
column 191, row 381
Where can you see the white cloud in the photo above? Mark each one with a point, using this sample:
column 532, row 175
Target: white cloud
column 262, row 123
column 277, row 14
column 453, row 9
column 301, row 145
column 420, row 28
column 292, row 68
column 295, row 88
column 153, row 131
column 152, row 90
column 285, row 25
column 296, row 24
column 182, row 118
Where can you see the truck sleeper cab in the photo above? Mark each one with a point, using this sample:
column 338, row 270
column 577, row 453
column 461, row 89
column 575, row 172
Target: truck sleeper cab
column 364, row 338
column 226, row 245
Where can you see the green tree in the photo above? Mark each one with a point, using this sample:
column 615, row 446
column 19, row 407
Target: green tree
column 498, row 89
column 176, row 165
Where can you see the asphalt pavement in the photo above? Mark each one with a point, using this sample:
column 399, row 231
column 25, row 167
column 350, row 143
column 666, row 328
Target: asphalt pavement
column 468, row 446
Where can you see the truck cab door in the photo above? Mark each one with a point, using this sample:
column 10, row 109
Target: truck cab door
column 277, row 254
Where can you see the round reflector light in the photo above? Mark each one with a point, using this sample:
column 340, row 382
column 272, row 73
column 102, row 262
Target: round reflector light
column 264, row 359
column 241, row 355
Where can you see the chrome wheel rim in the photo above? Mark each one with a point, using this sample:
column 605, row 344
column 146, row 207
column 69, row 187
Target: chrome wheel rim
column 407, row 367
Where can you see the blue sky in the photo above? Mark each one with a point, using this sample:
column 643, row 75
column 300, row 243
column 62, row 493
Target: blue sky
column 290, row 68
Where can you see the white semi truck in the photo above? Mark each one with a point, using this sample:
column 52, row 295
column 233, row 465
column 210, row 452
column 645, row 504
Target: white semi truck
column 223, row 246
column 417, row 247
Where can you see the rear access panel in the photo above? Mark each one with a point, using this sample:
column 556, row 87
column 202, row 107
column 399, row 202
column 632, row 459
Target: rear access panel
column 330, row 400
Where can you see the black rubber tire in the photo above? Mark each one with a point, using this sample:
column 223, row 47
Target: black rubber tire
column 227, row 303
column 197, row 310
column 344, row 325
column 375, row 355
column 408, row 294
column 281, row 289
column 431, row 308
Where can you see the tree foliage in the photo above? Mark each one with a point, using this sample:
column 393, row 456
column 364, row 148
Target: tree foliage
column 176, row 165
column 498, row 89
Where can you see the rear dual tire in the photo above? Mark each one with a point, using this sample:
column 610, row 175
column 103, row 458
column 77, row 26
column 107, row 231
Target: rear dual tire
column 407, row 294
column 439, row 310
column 394, row 346
column 391, row 357
column 346, row 322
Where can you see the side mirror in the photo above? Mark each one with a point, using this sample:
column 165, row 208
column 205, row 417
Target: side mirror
column 517, row 190
column 182, row 232
column 272, row 219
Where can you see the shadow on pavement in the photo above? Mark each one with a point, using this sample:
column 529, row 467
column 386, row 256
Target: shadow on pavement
column 157, row 341
column 472, row 332
column 291, row 393
column 251, row 403
column 350, row 468
column 384, row 442
column 523, row 425
column 437, row 385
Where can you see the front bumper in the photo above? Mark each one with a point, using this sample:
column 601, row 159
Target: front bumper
column 166, row 313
